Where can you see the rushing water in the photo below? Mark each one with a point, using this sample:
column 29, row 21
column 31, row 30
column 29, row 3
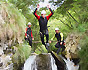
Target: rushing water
column 70, row 65
column 54, row 67
column 46, row 62
column 40, row 62
column 30, row 63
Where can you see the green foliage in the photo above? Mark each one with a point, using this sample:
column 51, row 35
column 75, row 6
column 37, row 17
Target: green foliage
column 74, row 13
column 24, row 6
column 83, row 53
column 56, row 23
column 71, row 16
column 14, row 23
column 22, row 53
column 41, row 49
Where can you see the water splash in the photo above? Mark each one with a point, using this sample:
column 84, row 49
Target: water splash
column 30, row 63
column 54, row 67
column 70, row 65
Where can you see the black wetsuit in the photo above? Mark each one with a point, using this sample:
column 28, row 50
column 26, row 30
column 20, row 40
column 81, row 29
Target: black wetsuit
column 58, row 36
column 43, row 25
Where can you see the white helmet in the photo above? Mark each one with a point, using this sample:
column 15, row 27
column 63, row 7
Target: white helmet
column 56, row 28
column 29, row 23
column 43, row 12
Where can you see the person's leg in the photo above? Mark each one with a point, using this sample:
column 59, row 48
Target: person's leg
column 58, row 46
column 30, row 42
column 42, row 38
column 58, row 50
column 47, row 36
column 63, row 48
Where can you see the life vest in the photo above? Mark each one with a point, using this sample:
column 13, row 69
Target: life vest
column 58, row 36
column 28, row 32
column 43, row 23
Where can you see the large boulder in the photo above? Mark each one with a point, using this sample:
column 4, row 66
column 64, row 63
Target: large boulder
column 72, row 46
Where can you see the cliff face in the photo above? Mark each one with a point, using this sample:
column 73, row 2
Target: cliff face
column 72, row 45
column 12, row 27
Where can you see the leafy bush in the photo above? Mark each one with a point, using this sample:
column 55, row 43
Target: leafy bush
column 83, row 53
column 22, row 53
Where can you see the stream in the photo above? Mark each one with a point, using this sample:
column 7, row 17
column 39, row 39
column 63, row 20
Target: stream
column 48, row 62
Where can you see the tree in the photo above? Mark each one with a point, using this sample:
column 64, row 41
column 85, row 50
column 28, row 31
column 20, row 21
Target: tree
column 73, row 12
column 24, row 6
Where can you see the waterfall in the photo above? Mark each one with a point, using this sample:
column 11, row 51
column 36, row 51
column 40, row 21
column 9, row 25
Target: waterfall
column 47, row 62
column 54, row 67
column 35, row 62
column 30, row 63
column 70, row 65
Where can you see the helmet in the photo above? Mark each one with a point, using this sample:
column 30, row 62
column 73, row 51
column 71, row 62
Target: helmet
column 29, row 23
column 43, row 12
column 56, row 28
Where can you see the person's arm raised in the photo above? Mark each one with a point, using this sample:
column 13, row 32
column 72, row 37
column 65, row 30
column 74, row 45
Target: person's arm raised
column 50, row 13
column 38, row 17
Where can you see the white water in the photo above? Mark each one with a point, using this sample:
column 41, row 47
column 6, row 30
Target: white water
column 70, row 65
column 54, row 67
column 30, row 63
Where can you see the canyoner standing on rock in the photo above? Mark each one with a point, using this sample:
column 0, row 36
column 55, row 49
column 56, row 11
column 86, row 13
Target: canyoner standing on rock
column 43, row 21
column 28, row 34
column 60, row 44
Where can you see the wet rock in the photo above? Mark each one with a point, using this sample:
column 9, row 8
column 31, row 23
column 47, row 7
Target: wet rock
column 59, row 61
column 43, row 62
column 1, row 51
column 1, row 64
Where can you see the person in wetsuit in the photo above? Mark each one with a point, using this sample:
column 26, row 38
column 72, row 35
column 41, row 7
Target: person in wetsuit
column 28, row 34
column 43, row 21
column 60, row 40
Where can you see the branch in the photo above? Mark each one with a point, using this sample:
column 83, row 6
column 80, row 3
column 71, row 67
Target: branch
column 69, row 22
column 65, row 24
column 73, row 17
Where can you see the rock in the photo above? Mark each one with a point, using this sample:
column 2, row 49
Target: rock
column 9, row 67
column 5, row 46
column 1, row 64
column 43, row 62
column 1, row 51
column 7, row 58
column 8, row 51
column 1, row 19
column 72, row 45
column 9, row 35
column 59, row 61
